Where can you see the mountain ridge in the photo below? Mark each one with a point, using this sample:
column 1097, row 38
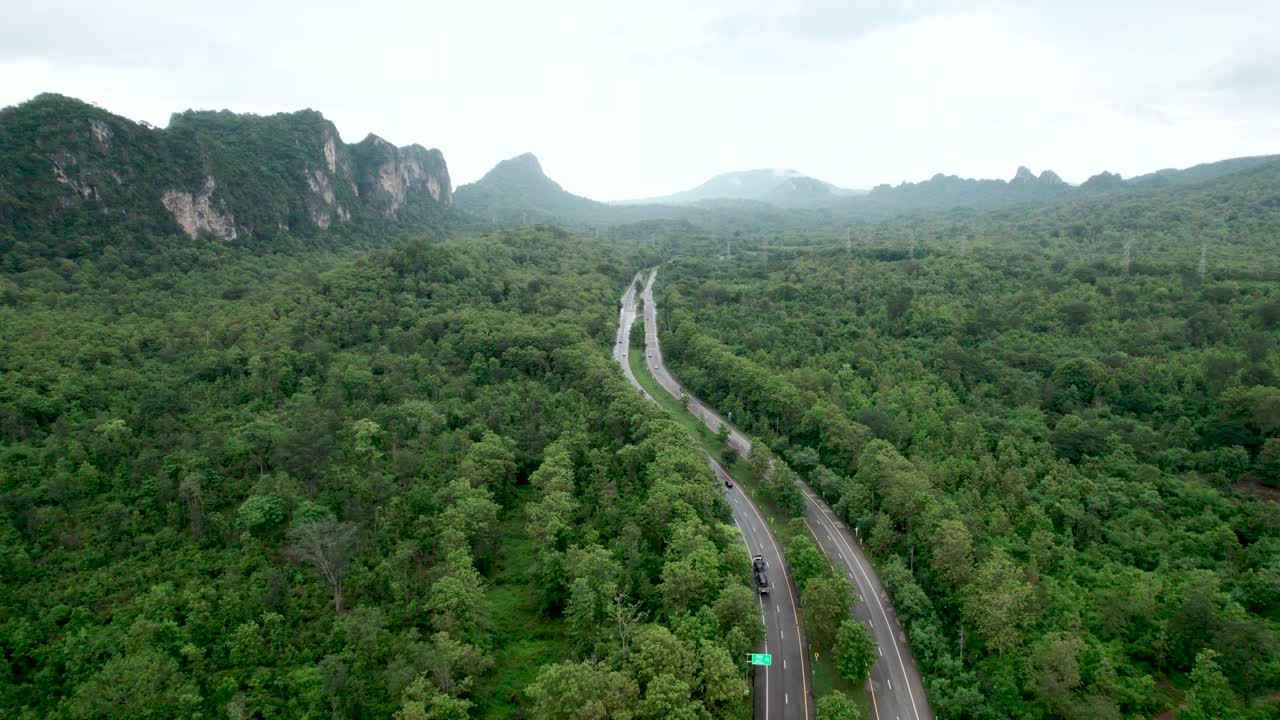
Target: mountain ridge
column 216, row 174
column 517, row 191
column 782, row 187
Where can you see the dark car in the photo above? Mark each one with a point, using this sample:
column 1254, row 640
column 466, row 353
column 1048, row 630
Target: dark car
column 762, row 579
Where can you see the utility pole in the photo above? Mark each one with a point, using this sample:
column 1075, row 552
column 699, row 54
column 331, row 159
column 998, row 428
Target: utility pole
column 1204, row 265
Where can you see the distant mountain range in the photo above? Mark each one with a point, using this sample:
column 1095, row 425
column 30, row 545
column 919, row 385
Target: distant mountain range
column 68, row 168
column 517, row 191
column 776, row 186
column 942, row 192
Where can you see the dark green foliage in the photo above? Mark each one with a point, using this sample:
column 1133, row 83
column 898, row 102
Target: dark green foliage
column 803, row 557
column 838, row 706
column 825, row 603
column 343, row 489
column 855, row 651
column 1054, row 462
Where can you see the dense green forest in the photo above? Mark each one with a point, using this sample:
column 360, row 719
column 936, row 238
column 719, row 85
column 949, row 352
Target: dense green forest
column 1059, row 437
column 409, row 483
column 296, row 471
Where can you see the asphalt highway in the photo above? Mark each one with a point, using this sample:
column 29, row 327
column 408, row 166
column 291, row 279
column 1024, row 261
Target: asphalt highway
column 622, row 343
column 781, row 689
column 896, row 689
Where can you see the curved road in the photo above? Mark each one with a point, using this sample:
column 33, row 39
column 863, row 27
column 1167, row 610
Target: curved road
column 782, row 690
column 896, row 690
column 622, row 343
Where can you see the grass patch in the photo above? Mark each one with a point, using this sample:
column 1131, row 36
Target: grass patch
column 826, row 679
column 528, row 641
column 673, row 407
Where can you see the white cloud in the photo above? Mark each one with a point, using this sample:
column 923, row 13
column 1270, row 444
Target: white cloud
column 635, row 99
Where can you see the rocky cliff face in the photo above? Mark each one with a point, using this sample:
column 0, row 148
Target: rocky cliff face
column 208, row 174
column 200, row 213
column 387, row 176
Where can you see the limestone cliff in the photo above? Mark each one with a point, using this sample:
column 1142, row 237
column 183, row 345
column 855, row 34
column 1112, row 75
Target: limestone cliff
column 221, row 175
column 387, row 177
column 199, row 213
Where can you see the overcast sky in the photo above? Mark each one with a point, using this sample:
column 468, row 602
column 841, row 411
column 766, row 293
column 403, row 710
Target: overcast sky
column 648, row 97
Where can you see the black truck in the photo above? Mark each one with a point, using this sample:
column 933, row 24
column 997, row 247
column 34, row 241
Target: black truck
column 762, row 579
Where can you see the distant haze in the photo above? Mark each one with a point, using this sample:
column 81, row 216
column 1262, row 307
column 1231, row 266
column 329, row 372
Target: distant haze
column 628, row 100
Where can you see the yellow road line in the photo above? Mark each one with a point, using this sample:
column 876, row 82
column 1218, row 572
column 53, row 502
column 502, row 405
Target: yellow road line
column 874, row 707
column 804, row 680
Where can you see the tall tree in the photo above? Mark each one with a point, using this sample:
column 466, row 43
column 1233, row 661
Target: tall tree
column 825, row 603
column 855, row 651
column 327, row 546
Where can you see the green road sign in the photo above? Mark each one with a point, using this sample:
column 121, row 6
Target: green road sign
column 761, row 659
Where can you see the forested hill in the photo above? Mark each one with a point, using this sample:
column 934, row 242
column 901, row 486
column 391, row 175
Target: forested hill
column 71, row 169
column 943, row 192
column 518, row 191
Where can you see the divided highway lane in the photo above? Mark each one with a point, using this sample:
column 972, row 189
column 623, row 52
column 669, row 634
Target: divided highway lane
column 653, row 359
column 782, row 690
column 897, row 691
column 622, row 343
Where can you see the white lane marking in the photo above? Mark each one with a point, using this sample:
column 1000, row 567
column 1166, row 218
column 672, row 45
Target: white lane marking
column 880, row 651
column 890, row 681
column 782, row 633
column 784, row 664
column 786, row 698
column 776, row 608
column 650, row 321
column 911, row 696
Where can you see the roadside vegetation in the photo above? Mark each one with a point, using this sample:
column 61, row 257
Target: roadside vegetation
column 1057, row 431
column 409, row 483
